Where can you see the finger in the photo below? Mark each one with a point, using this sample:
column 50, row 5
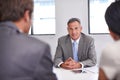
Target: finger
column 69, row 59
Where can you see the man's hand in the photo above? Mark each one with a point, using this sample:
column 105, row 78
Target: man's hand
column 70, row 64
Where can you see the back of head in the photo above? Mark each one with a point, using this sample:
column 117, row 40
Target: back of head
column 13, row 10
column 112, row 17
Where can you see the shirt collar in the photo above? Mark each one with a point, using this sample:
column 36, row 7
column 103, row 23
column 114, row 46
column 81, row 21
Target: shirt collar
column 10, row 24
column 76, row 40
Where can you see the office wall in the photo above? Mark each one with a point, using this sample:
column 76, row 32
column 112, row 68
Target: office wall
column 66, row 9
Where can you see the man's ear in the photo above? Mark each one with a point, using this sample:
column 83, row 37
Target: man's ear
column 80, row 28
column 27, row 16
column 67, row 28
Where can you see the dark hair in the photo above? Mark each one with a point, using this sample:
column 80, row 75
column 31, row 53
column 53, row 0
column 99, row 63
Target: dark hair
column 112, row 17
column 13, row 10
column 73, row 20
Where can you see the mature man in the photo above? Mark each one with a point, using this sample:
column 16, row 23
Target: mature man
column 75, row 50
column 21, row 57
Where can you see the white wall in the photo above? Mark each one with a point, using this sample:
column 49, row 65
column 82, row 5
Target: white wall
column 66, row 9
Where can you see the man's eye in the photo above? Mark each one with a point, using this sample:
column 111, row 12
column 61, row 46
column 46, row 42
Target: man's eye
column 76, row 28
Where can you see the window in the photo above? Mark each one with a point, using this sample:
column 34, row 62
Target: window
column 43, row 17
column 97, row 10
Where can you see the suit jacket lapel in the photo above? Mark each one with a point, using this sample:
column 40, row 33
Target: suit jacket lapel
column 69, row 47
column 80, row 48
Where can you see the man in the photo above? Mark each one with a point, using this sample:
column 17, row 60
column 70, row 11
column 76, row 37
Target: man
column 110, row 58
column 69, row 56
column 21, row 57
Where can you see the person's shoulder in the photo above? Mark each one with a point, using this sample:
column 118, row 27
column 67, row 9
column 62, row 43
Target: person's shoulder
column 113, row 44
column 112, row 48
column 30, row 40
column 87, row 37
column 36, row 41
column 64, row 37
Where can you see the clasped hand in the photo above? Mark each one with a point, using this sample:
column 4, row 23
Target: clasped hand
column 70, row 64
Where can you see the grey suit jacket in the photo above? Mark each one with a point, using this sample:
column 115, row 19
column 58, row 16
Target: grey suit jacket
column 23, row 57
column 86, row 50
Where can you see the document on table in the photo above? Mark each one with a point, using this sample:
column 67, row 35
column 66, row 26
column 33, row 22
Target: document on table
column 84, row 70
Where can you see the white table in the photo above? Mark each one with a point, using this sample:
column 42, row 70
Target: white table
column 90, row 73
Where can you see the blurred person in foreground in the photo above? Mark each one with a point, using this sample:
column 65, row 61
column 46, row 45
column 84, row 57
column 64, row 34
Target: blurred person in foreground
column 110, row 58
column 76, row 49
column 21, row 57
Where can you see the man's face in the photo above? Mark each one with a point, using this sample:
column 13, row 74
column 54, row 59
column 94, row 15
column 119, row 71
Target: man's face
column 74, row 30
